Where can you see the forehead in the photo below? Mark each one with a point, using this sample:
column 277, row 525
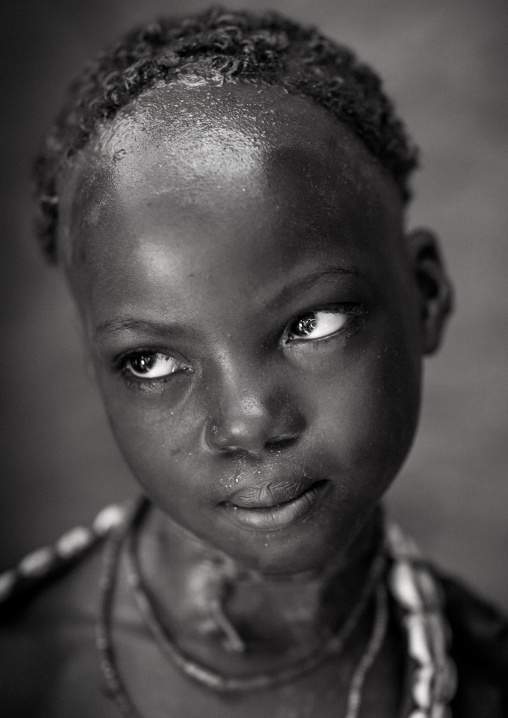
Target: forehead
column 202, row 148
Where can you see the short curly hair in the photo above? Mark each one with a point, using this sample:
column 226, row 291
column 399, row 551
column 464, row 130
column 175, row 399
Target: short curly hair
column 236, row 47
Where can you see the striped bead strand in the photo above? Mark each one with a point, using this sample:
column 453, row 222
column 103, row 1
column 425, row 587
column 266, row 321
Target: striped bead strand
column 46, row 561
column 419, row 596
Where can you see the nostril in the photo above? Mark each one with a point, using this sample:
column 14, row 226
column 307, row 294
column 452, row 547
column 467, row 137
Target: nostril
column 281, row 442
column 237, row 452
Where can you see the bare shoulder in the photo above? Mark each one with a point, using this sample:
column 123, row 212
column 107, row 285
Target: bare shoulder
column 48, row 612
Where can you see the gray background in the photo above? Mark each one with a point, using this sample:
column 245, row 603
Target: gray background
column 445, row 64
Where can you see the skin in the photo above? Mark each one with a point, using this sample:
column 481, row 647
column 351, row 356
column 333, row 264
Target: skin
column 197, row 229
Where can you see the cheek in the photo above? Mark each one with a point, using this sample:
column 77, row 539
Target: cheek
column 157, row 438
column 369, row 417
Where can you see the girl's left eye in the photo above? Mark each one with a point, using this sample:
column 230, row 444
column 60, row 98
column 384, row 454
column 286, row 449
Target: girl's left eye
column 316, row 325
column 151, row 365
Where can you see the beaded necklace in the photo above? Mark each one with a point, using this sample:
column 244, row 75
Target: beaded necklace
column 420, row 601
column 332, row 647
column 409, row 581
column 118, row 689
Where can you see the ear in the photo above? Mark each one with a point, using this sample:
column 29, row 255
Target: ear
column 433, row 286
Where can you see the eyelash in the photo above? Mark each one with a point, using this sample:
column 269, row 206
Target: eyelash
column 119, row 366
column 354, row 311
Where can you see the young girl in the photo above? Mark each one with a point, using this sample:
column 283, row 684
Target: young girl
column 225, row 194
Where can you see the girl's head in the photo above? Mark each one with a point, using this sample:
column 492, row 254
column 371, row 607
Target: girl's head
column 226, row 195
column 217, row 48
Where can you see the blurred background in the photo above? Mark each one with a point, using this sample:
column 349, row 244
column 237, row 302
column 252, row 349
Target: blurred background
column 445, row 63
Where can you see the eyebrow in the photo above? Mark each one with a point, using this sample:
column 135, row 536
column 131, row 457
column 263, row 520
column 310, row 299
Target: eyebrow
column 284, row 296
column 136, row 325
column 292, row 290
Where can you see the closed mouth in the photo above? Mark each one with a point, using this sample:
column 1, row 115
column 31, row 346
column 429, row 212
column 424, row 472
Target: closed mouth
column 271, row 493
column 273, row 507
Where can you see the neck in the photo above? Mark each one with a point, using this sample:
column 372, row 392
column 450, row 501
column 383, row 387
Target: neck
column 217, row 610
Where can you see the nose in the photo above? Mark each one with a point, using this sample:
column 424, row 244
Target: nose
column 251, row 422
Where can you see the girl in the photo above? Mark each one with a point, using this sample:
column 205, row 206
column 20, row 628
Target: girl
column 225, row 195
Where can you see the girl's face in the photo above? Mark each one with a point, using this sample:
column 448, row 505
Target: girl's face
column 250, row 306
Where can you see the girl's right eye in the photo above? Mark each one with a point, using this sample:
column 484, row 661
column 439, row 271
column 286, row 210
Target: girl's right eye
column 151, row 365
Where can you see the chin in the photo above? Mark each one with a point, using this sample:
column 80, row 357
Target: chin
column 304, row 548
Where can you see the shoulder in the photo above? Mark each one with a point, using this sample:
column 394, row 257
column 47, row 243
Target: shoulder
column 480, row 650
column 48, row 610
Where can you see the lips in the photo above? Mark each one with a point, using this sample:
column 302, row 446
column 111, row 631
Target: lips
column 274, row 505
column 270, row 493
